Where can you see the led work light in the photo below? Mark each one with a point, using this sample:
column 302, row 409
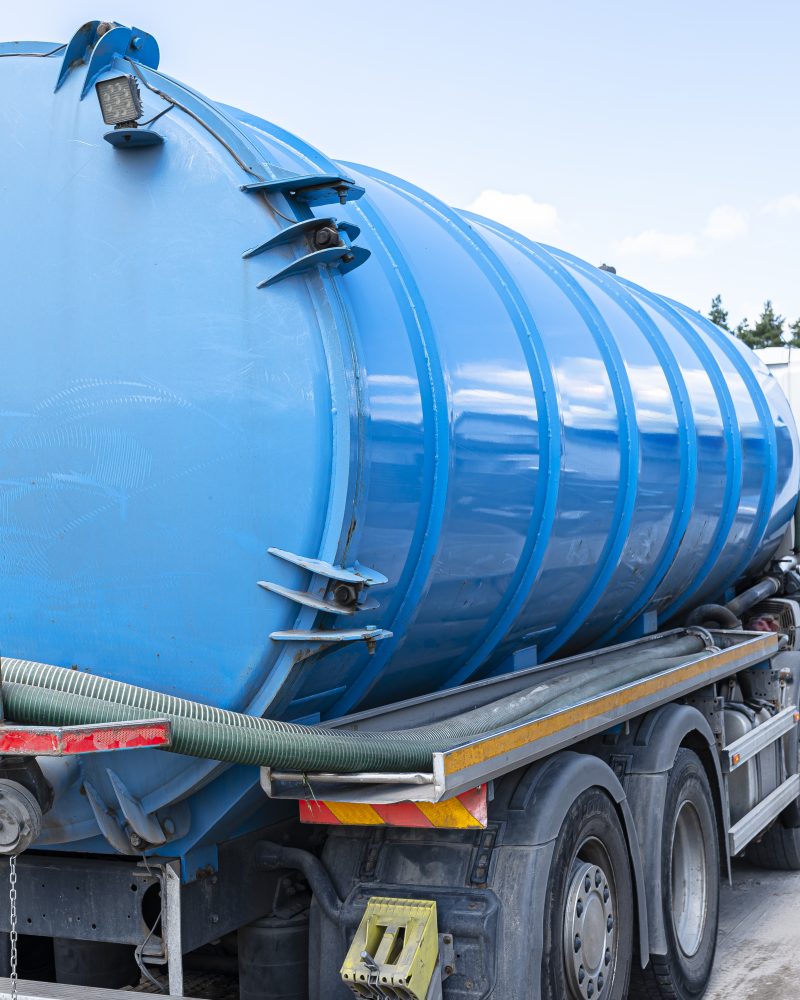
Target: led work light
column 120, row 102
column 121, row 106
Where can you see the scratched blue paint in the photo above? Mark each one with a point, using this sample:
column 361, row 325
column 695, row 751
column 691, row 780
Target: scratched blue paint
column 533, row 451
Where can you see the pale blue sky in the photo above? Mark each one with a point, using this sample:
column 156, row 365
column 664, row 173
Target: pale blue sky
column 662, row 138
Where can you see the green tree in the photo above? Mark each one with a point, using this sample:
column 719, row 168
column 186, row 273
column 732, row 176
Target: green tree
column 767, row 331
column 769, row 328
column 794, row 334
column 717, row 314
column 743, row 332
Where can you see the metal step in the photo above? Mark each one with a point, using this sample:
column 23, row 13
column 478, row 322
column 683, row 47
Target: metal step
column 758, row 819
column 742, row 750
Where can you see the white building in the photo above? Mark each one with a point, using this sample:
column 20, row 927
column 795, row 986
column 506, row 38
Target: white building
column 784, row 363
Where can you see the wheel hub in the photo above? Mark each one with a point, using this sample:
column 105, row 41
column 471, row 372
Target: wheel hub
column 689, row 880
column 589, row 936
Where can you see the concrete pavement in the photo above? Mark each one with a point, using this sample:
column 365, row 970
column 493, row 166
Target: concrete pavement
column 758, row 954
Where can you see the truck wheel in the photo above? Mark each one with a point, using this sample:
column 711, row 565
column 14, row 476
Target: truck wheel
column 778, row 849
column 588, row 926
column 689, row 888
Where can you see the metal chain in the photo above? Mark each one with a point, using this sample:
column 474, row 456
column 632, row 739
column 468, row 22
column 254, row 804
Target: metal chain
column 12, row 900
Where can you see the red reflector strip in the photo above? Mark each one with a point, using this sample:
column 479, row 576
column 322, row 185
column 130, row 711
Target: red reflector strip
column 18, row 739
column 48, row 741
column 464, row 812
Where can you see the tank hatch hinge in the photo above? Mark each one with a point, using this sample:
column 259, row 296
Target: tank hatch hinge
column 344, row 259
column 320, row 233
column 311, row 189
column 343, row 592
column 330, row 244
column 355, row 574
column 99, row 43
column 368, row 634
column 337, row 607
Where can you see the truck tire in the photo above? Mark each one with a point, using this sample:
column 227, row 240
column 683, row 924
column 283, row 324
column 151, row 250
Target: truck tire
column 690, row 877
column 588, row 924
column 778, row 849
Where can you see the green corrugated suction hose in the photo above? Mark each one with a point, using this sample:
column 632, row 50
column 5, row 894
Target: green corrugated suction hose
column 41, row 694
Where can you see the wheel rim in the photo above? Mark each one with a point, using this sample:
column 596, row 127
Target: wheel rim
column 589, row 925
column 689, row 880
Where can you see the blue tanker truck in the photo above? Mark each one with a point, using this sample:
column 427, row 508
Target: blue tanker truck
column 392, row 606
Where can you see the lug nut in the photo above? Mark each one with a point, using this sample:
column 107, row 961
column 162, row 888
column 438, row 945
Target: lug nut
column 610, row 923
column 598, row 878
column 600, row 982
column 590, row 989
column 606, row 894
column 581, row 974
column 578, row 943
column 579, row 908
column 587, row 884
column 608, row 956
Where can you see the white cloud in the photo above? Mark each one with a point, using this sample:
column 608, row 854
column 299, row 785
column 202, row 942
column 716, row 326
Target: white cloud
column 789, row 204
column 725, row 223
column 520, row 212
column 662, row 246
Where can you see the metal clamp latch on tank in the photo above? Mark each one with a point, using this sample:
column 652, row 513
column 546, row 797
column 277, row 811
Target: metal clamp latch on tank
column 344, row 594
column 98, row 43
column 330, row 242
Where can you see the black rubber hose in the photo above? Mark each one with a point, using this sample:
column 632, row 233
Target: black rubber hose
column 754, row 595
column 713, row 616
column 271, row 856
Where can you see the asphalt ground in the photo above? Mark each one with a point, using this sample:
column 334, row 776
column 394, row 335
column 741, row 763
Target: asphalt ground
column 759, row 937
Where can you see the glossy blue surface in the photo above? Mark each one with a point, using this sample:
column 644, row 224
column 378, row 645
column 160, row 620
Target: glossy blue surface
column 533, row 451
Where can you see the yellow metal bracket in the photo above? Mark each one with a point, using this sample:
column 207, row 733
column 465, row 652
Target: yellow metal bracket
column 395, row 950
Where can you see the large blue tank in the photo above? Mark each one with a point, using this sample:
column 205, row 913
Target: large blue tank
column 532, row 451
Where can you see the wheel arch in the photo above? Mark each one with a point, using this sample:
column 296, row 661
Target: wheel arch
column 645, row 757
column 659, row 737
column 536, row 807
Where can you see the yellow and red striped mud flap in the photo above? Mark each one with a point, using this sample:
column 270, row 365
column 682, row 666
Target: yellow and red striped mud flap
column 467, row 811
